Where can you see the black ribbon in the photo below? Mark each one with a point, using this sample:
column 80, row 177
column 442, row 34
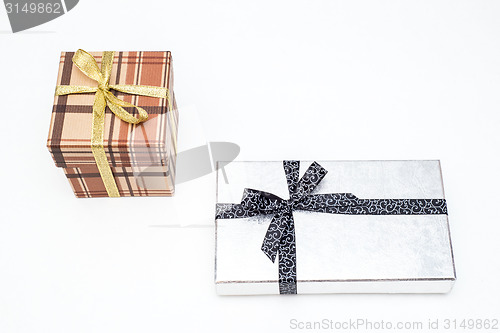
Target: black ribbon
column 280, row 236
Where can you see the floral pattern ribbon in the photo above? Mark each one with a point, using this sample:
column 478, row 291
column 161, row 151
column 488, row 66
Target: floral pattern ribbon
column 280, row 236
column 103, row 97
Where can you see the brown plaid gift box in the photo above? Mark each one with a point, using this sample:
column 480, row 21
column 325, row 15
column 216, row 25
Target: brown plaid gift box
column 142, row 157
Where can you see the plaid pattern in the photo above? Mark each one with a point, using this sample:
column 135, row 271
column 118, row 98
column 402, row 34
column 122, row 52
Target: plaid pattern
column 142, row 157
column 86, row 181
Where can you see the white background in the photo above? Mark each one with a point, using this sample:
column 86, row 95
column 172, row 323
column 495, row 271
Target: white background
column 317, row 79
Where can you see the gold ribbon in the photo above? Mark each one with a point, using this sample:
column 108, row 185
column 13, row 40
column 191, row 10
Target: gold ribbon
column 103, row 96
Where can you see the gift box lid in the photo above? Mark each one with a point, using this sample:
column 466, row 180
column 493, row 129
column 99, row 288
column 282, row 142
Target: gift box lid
column 148, row 143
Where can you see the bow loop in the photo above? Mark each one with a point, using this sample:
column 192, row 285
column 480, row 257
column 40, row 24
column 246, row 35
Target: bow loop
column 117, row 107
column 261, row 202
column 300, row 189
column 87, row 64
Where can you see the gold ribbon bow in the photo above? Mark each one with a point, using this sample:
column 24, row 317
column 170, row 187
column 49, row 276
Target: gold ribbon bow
column 103, row 96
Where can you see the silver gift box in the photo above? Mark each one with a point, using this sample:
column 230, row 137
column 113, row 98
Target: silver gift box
column 339, row 253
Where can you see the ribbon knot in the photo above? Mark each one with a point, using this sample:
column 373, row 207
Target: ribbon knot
column 103, row 86
column 103, row 97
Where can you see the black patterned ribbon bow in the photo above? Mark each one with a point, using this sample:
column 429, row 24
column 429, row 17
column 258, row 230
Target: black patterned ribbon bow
column 280, row 236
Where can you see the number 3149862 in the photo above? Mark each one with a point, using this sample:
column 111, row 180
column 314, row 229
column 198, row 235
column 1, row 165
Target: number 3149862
column 33, row 8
